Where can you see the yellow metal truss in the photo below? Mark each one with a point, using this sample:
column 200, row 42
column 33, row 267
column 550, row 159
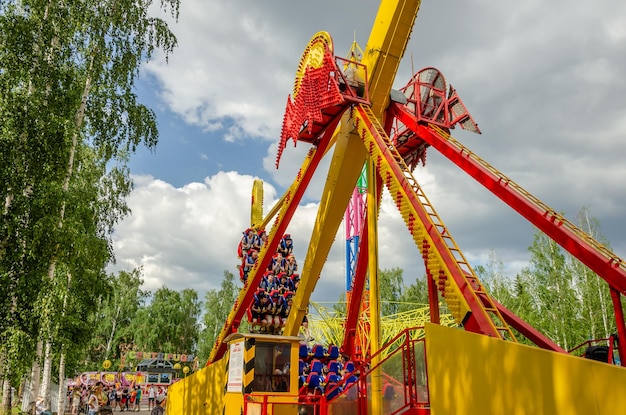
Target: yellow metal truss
column 326, row 323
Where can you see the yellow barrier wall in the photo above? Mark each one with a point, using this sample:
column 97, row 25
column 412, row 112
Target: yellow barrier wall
column 474, row 374
column 200, row 393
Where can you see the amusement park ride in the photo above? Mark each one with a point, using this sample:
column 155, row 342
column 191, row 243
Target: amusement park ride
column 377, row 136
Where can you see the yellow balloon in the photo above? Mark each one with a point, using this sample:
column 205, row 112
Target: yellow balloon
column 177, row 366
column 185, row 370
column 106, row 364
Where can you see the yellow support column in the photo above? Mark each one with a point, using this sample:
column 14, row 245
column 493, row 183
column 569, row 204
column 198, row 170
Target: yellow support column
column 385, row 47
column 256, row 211
column 372, row 223
column 346, row 165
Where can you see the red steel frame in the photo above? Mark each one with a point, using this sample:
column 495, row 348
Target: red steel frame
column 477, row 321
column 602, row 262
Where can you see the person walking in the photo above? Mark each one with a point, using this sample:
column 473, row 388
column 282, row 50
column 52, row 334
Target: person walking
column 92, row 404
column 125, row 399
column 118, row 397
column 151, row 396
column 138, row 398
column 76, row 398
column 112, row 397
column 132, row 398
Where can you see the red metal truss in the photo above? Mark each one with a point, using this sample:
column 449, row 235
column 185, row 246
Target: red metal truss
column 599, row 259
column 587, row 250
column 317, row 91
column 354, row 306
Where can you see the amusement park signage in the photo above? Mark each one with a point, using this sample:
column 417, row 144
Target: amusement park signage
column 235, row 368
column 177, row 357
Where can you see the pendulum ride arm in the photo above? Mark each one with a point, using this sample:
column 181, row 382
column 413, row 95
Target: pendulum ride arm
column 290, row 203
column 385, row 47
column 256, row 209
column 346, row 163
column 469, row 304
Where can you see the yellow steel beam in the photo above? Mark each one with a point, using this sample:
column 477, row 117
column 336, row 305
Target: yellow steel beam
column 385, row 48
column 386, row 45
column 346, row 164
column 372, row 271
column 256, row 211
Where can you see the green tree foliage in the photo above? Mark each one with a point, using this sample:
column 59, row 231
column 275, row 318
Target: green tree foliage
column 217, row 306
column 170, row 323
column 340, row 306
column 390, row 286
column 492, row 276
column 593, row 292
column 554, row 290
column 69, row 118
column 116, row 312
column 414, row 295
column 516, row 293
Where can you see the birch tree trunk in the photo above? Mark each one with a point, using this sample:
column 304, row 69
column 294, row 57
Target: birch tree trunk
column 6, row 395
column 62, row 388
column 44, row 389
column 35, row 374
column 112, row 335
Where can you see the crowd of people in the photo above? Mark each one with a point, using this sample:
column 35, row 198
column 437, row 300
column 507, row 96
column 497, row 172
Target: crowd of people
column 102, row 399
column 251, row 244
column 324, row 371
column 273, row 298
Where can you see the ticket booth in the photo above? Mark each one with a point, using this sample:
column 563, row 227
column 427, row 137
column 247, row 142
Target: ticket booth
column 262, row 374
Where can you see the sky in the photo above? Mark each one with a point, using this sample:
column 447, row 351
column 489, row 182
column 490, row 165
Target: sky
column 543, row 80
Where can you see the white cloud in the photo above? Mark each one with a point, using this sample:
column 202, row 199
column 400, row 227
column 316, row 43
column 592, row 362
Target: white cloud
column 543, row 81
column 186, row 237
column 226, row 69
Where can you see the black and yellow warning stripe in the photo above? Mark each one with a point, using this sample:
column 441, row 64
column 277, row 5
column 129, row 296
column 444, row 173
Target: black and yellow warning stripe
column 248, row 365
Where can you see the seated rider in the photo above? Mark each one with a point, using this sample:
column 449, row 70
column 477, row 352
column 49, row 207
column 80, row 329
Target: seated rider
column 258, row 310
column 284, row 283
column 248, row 264
column 291, row 266
column 266, row 307
column 277, row 264
column 246, row 243
column 287, row 303
column 260, row 239
column 269, row 283
column 285, row 247
column 278, row 305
